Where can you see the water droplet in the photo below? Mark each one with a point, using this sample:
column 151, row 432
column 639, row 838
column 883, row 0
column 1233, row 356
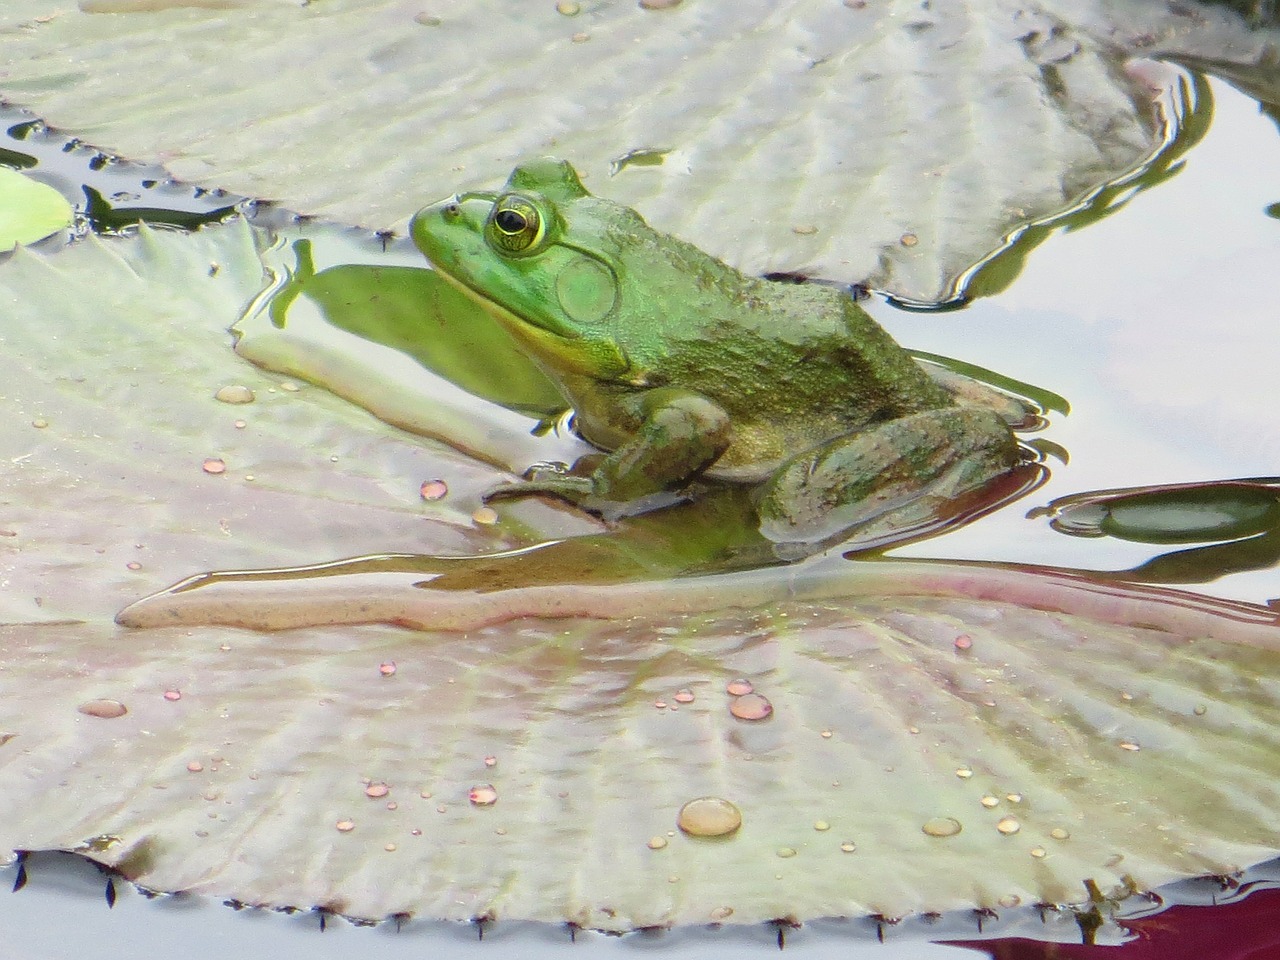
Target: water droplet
column 821, row 825
column 387, row 669
column 240, row 424
column 415, row 832
column 1009, row 825
column 376, row 789
column 964, row 642
column 345, row 826
column 482, row 795
column 673, row 879
column 288, row 386
column 739, row 687
column 942, row 827
column 1129, row 745
column 1059, row 833
column 105, row 709
column 392, row 805
column 989, row 801
column 214, row 466
column 1201, row 710
column 390, row 848
column 133, row 565
column 195, row 766
column 848, row 846
column 173, row 694
column 1039, row 852
column 683, row 696
column 1013, row 797
column 804, row 229
column 485, row 516
column 441, row 809
column 1009, row 901
column 490, row 761
column 751, row 706
column 40, row 423
column 1126, row 696
column 425, row 794
column 786, row 853
column 500, row 831
column 659, row 4
column 657, row 843
column 964, row 773
column 709, row 817
column 568, row 8
column 580, row 37
column 721, row 913
column 913, row 730
column 826, row 734
column 234, row 393
column 432, row 490
column 660, row 704
column 909, row 240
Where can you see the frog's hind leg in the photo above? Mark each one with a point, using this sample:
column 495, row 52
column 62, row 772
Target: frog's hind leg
column 905, row 470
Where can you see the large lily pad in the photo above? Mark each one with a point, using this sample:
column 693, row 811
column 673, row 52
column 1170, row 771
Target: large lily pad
column 810, row 136
column 290, row 767
column 294, row 771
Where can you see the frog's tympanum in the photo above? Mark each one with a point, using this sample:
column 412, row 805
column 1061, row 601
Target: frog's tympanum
column 682, row 368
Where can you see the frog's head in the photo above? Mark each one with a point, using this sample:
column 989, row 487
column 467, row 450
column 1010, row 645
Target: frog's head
column 533, row 255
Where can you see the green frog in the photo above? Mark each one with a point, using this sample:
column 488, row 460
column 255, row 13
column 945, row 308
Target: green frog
column 684, row 370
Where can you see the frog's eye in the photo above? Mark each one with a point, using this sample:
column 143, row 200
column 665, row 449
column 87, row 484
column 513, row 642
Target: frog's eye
column 515, row 225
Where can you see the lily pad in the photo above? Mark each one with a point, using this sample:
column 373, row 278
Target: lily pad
column 969, row 751
column 29, row 210
column 813, row 137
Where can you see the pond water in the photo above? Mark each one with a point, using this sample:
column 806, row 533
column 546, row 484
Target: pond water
column 1157, row 324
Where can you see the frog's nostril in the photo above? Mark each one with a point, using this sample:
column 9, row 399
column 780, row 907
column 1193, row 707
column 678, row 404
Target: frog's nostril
column 452, row 211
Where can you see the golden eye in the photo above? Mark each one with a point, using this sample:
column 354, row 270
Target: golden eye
column 515, row 226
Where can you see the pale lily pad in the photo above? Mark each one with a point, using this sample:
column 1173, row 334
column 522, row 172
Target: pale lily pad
column 117, row 452
column 290, row 767
column 29, row 210
column 862, row 143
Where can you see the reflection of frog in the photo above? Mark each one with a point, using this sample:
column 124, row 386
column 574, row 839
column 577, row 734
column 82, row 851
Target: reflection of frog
column 681, row 367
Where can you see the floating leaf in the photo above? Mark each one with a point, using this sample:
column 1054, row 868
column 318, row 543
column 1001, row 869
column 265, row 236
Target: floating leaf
column 1123, row 755
column 808, row 136
column 29, row 210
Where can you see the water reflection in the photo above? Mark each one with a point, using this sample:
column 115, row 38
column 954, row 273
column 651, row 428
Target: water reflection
column 1237, row 523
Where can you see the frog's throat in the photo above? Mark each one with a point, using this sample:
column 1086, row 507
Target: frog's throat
column 599, row 359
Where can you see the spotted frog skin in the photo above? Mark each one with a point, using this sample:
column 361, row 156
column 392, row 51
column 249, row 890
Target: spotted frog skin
column 680, row 368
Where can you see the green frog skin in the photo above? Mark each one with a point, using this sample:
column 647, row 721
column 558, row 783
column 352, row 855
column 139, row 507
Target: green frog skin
column 680, row 367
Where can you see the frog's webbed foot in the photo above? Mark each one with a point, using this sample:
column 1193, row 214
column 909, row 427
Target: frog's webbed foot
column 553, row 480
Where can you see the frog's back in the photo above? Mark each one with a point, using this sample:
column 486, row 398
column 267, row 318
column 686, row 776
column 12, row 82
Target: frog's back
column 794, row 365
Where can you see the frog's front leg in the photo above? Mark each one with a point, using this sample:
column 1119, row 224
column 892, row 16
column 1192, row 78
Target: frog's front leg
column 679, row 435
column 912, row 465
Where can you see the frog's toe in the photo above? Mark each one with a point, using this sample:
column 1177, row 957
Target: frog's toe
column 573, row 489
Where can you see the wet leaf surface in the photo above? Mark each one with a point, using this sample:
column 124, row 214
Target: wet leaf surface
column 1117, row 754
column 812, row 136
